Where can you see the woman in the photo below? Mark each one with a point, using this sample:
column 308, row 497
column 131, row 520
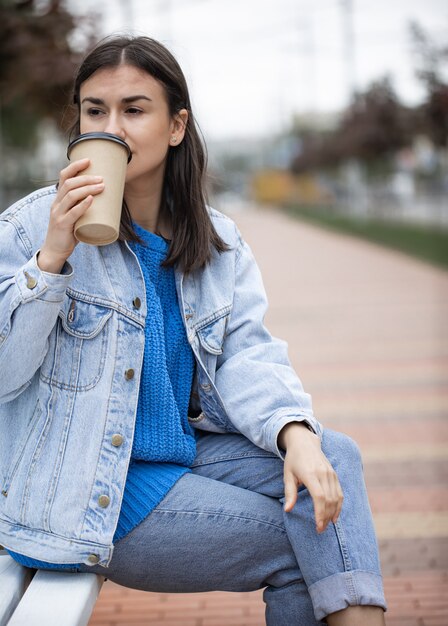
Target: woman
column 152, row 430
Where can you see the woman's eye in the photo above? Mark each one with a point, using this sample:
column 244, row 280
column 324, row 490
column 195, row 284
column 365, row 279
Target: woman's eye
column 133, row 111
column 94, row 112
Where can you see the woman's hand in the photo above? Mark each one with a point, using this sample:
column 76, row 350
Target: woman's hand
column 306, row 464
column 74, row 196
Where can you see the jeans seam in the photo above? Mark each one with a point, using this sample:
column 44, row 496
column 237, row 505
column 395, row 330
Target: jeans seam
column 232, row 457
column 343, row 546
column 221, row 514
column 353, row 589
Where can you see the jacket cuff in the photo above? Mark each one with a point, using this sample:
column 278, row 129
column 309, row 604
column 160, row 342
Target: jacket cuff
column 33, row 283
column 280, row 423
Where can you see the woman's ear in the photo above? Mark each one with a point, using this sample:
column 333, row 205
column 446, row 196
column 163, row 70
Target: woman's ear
column 178, row 127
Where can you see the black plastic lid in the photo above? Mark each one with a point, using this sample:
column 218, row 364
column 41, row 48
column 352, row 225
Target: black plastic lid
column 109, row 136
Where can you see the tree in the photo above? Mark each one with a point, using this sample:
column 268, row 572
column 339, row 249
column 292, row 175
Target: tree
column 376, row 124
column 431, row 69
column 38, row 59
column 372, row 129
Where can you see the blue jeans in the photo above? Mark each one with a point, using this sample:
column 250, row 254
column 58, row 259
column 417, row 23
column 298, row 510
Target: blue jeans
column 223, row 527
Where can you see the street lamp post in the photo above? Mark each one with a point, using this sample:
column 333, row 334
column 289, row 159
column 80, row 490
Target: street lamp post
column 350, row 46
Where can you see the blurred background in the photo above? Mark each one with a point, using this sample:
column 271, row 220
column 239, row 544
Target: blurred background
column 336, row 110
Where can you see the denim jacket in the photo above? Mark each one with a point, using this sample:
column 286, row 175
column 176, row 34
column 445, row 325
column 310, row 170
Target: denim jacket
column 71, row 350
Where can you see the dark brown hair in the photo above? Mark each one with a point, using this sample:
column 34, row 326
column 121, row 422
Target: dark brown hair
column 183, row 194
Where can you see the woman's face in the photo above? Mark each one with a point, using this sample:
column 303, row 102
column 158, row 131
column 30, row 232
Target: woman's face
column 130, row 103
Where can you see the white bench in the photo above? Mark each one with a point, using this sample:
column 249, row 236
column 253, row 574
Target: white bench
column 45, row 598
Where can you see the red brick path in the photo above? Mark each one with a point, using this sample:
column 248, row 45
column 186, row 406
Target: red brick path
column 367, row 331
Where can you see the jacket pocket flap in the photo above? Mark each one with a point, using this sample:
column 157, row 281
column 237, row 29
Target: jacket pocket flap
column 83, row 319
column 211, row 336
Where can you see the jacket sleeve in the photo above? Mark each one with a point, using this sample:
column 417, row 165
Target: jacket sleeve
column 254, row 370
column 30, row 301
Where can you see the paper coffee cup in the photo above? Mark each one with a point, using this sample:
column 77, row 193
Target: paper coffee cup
column 109, row 156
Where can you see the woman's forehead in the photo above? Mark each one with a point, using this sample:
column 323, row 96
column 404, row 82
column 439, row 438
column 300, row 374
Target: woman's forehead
column 124, row 78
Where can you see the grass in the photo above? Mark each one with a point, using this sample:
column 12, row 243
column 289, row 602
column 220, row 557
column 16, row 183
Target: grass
column 429, row 243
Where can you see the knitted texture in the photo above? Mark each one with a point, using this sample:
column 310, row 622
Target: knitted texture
column 164, row 444
column 163, row 437
column 163, row 432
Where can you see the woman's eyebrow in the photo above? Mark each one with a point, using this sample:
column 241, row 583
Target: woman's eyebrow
column 92, row 100
column 126, row 100
column 134, row 98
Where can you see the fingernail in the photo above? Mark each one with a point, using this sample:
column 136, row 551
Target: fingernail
column 98, row 179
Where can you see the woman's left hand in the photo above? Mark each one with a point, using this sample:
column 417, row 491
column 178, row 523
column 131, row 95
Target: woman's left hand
column 306, row 464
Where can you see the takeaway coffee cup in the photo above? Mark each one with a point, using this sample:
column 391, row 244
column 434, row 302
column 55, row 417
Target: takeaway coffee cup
column 109, row 156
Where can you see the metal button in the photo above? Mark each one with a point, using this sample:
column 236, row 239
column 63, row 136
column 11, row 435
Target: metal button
column 4, row 493
column 137, row 303
column 71, row 313
column 93, row 559
column 117, row 440
column 31, row 282
column 104, row 501
column 129, row 374
column 188, row 316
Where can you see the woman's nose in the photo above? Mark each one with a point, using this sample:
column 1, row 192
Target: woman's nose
column 115, row 128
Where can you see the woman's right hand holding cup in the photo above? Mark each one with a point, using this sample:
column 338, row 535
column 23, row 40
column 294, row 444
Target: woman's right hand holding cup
column 74, row 196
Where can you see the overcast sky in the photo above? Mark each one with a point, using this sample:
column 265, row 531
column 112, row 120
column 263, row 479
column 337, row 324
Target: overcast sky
column 251, row 64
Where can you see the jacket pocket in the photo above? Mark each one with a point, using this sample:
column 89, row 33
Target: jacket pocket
column 77, row 346
column 212, row 333
column 203, row 422
column 21, row 447
column 211, row 337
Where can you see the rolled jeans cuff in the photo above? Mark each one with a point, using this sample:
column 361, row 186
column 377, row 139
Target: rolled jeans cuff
column 339, row 591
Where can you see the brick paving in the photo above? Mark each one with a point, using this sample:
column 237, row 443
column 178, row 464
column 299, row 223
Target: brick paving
column 367, row 331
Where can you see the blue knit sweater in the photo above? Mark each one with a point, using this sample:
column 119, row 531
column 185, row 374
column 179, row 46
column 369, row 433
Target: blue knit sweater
column 164, row 445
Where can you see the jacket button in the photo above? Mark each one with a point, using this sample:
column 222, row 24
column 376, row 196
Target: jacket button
column 31, row 282
column 129, row 374
column 93, row 559
column 117, row 440
column 137, row 303
column 104, row 501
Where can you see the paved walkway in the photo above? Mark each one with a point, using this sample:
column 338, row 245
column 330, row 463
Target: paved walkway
column 367, row 330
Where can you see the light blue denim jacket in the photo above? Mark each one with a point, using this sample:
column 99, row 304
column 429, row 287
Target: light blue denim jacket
column 71, row 350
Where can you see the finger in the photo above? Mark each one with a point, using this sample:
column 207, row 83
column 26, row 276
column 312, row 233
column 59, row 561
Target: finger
column 80, row 181
column 66, row 221
column 329, row 487
column 77, row 195
column 291, row 487
column 317, row 494
column 340, row 495
column 78, row 210
column 77, row 182
column 73, row 168
column 334, row 494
